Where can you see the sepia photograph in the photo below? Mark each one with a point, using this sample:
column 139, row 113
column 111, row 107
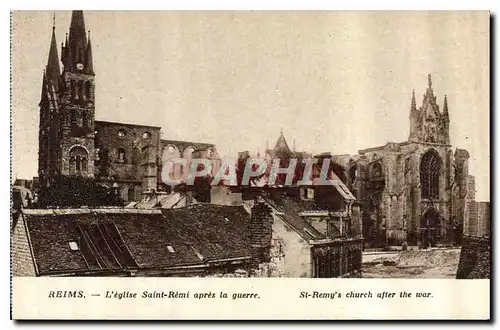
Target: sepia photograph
column 250, row 144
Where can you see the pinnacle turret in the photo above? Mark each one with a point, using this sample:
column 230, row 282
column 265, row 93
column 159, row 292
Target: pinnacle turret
column 413, row 102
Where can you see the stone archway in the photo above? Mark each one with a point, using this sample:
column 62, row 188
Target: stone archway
column 430, row 227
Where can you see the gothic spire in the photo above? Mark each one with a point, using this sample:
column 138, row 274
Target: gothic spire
column 89, row 66
column 429, row 79
column 53, row 71
column 413, row 102
column 77, row 41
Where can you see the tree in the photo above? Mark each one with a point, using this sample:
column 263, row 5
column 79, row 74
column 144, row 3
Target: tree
column 75, row 191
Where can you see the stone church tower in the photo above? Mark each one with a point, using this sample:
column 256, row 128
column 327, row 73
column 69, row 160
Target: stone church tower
column 415, row 191
column 67, row 108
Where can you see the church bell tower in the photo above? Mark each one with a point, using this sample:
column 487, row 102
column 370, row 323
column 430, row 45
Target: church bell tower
column 67, row 107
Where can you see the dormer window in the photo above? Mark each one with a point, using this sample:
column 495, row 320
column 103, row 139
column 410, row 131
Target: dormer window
column 73, row 246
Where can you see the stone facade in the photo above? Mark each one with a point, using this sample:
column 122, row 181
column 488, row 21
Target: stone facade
column 127, row 157
column 414, row 192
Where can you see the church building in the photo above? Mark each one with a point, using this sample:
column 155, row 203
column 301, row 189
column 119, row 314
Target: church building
column 127, row 157
column 415, row 192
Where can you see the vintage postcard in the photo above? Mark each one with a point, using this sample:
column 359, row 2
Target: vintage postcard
column 316, row 165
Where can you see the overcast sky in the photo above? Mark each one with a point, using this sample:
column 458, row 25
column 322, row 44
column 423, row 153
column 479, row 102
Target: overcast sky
column 334, row 81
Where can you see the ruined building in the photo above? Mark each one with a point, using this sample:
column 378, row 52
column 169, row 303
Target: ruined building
column 71, row 142
column 415, row 192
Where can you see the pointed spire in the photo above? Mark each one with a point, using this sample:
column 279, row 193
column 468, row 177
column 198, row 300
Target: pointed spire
column 282, row 145
column 429, row 80
column 53, row 69
column 89, row 66
column 66, row 55
column 413, row 102
column 445, row 106
column 77, row 42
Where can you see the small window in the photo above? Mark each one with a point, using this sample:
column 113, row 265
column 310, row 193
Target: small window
column 121, row 156
column 170, row 249
column 121, row 134
column 73, row 246
column 227, row 220
column 146, row 135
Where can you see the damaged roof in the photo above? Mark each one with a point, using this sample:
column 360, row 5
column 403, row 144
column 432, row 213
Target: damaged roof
column 117, row 240
column 291, row 209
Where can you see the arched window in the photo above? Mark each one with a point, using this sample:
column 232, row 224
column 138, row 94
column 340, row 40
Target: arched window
column 121, row 156
column 130, row 194
column 81, row 91
column 78, row 158
column 73, row 117
column 72, row 91
column 171, row 152
column 430, row 167
column 376, row 170
column 103, row 156
column 79, row 120
column 88, row 90
column 72, row 165
column 85, row 121
column 146, row 135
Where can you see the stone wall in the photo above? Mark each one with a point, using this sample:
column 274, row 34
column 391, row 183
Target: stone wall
column 290, row 254
column 478, row 221
column 121, row 148
column 475, row 258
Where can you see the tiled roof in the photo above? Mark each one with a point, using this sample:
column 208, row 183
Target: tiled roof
column 113, row 240
column 215, row 231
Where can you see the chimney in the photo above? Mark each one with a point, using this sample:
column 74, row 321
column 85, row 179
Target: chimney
column 260, row 229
